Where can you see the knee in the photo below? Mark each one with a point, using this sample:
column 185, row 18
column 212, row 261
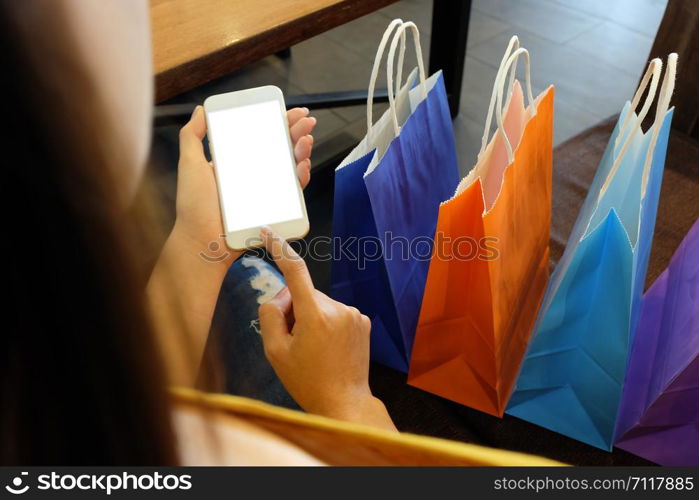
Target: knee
column 262, row 276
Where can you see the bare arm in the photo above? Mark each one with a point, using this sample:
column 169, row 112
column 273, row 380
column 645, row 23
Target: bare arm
column 182, row 294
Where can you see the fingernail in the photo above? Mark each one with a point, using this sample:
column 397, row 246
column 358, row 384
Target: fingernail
column 305, row 110
column 311, row 138
column 196, row 108
column 281, row 292
column 313, row 119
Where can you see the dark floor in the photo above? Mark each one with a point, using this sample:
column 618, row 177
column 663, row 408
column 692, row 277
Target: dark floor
column 593, row 51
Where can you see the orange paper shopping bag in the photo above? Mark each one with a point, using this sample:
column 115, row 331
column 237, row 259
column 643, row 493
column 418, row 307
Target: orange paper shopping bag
column 489, row 266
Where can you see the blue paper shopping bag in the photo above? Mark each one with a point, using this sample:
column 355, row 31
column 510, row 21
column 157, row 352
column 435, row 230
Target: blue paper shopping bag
column 410, row 171
column 358, row 280
column 418, row 171
column 358, row 272
column 572, row 377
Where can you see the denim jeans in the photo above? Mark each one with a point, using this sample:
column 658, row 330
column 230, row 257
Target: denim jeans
column 250, row 282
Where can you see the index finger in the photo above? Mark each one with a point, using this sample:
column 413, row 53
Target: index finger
column 292, row 266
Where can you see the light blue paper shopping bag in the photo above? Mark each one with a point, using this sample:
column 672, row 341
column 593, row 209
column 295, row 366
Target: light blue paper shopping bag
column 572, row 377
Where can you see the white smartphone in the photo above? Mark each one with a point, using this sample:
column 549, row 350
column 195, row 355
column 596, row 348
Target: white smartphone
column 255, row 166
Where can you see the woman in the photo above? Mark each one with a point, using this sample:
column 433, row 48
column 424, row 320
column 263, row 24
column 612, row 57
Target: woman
column 85, row 355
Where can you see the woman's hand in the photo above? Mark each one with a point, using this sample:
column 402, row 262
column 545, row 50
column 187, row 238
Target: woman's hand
column 198, row 214
column 318, row 347
column 184, row 285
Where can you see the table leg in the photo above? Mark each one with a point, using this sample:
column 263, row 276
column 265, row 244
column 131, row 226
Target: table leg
column 450, row 19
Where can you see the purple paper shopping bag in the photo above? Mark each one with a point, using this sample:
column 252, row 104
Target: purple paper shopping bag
column 659, row 414
column 418, row 171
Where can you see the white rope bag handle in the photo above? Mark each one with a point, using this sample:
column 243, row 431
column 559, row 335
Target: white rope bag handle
column 375, row 69
column 389, row 67
column 512, row 45
column 530, row 97
column 666, row 91
column 654, row 69
column 652, row 74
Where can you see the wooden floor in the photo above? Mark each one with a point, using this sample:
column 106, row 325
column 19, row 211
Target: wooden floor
column 593, row 51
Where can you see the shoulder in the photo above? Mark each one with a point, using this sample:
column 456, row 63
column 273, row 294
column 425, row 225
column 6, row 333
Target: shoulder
column 214, row 438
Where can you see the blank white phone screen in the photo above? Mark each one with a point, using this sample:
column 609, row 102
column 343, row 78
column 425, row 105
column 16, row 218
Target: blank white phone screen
column 254, row 167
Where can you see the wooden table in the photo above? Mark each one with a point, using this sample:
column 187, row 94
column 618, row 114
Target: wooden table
column 196, row 41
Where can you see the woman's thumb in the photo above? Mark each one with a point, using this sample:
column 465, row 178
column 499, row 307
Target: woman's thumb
column 191, row 136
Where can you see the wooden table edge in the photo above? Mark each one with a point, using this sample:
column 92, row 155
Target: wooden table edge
column 184, row 77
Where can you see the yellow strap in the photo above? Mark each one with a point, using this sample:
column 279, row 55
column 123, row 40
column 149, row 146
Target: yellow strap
column 372, row 445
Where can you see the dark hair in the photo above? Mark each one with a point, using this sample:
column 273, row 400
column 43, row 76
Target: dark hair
column 80, row 377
